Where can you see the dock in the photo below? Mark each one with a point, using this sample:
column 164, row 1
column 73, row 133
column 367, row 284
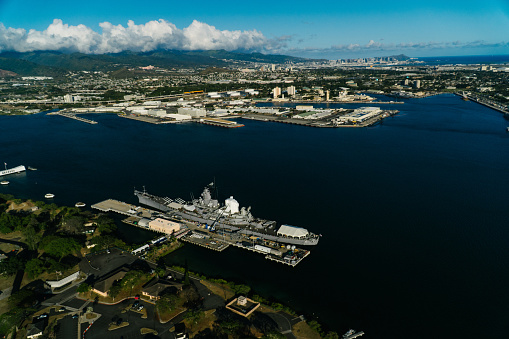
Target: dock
column 73, row 116
column 194, row 233
column 220, row 122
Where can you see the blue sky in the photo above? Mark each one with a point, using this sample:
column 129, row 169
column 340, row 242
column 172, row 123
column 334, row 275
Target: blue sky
column 330, row 29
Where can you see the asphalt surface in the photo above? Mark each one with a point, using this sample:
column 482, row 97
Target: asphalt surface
column 67, row 328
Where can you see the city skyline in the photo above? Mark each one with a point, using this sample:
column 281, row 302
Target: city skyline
column 330, row 30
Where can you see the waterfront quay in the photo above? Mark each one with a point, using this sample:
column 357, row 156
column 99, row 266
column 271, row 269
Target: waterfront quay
column 200, row 235
column 327, row 122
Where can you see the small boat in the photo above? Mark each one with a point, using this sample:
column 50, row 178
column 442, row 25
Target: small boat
column 49, row 195
column 80, row 204
column 5, row 182
column 32, row 168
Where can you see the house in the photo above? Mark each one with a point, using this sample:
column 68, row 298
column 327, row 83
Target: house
column 103, row 285
column 34, row 330
column 157, row 286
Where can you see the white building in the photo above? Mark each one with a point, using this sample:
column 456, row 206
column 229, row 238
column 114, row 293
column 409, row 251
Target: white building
column 194, row 112
column 291, row 90
column 359, row 115
column 276, row 92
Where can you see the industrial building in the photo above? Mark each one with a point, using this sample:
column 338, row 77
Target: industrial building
column 359, row 115
column 193, row 112
column 164, row 226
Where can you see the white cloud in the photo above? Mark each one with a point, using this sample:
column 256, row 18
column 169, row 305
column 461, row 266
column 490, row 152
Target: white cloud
column 150, row 36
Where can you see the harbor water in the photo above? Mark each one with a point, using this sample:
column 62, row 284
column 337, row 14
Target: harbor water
column 412, row 211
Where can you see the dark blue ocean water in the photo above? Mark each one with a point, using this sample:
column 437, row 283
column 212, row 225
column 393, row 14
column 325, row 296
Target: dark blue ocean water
column 466, row 59
column 413, row 211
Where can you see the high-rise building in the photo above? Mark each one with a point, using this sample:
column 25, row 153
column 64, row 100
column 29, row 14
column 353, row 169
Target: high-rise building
column 417, row 84
column 276, row 92
column 327, row 95
column 290, row 90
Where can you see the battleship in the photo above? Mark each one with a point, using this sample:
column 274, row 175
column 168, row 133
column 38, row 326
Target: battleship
column 228, row 218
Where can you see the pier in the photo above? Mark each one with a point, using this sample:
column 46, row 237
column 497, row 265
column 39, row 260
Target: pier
column 493, row 105
column 74, row 116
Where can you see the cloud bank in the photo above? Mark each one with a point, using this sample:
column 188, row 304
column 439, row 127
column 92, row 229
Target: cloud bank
column 146, row 37
column 374, row 47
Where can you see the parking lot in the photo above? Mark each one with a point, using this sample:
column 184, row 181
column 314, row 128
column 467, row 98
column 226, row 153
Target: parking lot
column 113, row 313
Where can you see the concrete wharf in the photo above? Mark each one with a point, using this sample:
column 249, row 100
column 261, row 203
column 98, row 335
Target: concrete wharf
column 194, row 234
column 73, row 116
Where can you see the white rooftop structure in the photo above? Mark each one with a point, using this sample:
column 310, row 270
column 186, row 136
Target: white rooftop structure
column 232, row 205
column 292, row 231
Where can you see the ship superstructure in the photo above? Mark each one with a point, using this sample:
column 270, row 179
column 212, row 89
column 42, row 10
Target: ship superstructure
column 229, row 217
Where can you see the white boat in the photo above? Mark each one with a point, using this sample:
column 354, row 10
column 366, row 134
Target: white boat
column 80, row 204
column 5, row 182
column 49, row 195
column 16, row 169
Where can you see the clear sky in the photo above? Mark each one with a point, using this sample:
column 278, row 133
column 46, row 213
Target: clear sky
column 329, row 29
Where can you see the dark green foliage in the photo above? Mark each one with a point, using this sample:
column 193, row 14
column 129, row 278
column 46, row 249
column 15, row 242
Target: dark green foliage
column 194, row 316
column 167, row 303
column 23, row 298
column 12, row 265
column 60, row 247
column 105, row 225
column 84, row 287
column 106, row 241
column 35, row 267
column 12, row 318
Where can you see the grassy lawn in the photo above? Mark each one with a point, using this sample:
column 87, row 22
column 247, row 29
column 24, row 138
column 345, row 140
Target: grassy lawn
column 16, row 236
column 206, row 322
column 223, row 292
column 6, row 282
column 302, row 330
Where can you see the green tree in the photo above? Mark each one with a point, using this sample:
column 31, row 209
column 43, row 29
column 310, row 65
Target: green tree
column 194, row 316
column 60, row 247
column 114, row 290
column 84, row 287
column 167, row 303
column 34, row 268
column 32, row 237
column 11, row 265
column 105, row 225
column 22, row 298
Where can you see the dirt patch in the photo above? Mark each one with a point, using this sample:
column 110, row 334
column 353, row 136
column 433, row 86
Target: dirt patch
column 302, row 330
column 145, row 330
column 113, row 327
column 24, row 206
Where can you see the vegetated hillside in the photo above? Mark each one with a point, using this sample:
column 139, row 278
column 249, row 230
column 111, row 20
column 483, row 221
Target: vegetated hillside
column 24, row 67
column 37, row 62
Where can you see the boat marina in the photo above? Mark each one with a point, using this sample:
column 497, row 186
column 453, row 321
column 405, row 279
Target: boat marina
column 200, row 234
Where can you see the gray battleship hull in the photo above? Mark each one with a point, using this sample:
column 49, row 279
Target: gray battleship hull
column 159, row 204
